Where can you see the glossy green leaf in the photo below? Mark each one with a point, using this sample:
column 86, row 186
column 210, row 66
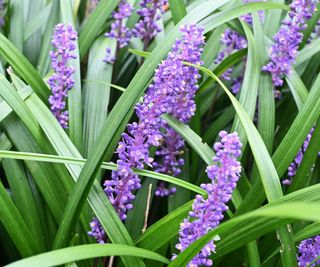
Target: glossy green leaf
column 93, row 25
column 296, row 210
column 66, row 255
column 178, row 10
column 105, row 165
column 22, row 66
column 15, row 225
column 74, row 95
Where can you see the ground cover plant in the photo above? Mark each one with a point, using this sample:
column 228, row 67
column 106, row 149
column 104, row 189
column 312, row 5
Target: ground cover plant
column 159, row 133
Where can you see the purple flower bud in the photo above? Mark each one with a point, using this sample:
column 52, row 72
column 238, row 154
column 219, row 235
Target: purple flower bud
column 207, row 213
column 61, row 81
column 308, row 251
column 287, row 40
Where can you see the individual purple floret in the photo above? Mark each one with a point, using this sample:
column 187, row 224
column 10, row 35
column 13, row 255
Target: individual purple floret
column 308, row 251
column 147, row 28
column 119, row 31
column 287, row 40
column 61, row 81
column 293, row 167
column 171, row 78
column 207, row 213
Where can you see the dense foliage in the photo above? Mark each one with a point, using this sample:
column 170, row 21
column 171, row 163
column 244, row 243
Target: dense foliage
column 155, row 133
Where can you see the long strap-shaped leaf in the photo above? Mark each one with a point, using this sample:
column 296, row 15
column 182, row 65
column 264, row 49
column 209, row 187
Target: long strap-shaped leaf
column 39, row 113
column 165, row 229
column 249, row 89
column 74, row 95
column 268, row 173
column 94, row 24
column 116, row 121
column 288, row 212
column 16, row 226
column 105, row 165
column 289, row 146
column 178, row 10
column 71, row 254
column 18, row 61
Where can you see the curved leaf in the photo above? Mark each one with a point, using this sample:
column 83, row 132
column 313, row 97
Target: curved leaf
column 76, row 253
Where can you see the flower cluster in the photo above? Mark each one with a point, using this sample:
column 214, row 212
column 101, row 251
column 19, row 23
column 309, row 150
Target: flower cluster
column 119, row 31
column 150, row 13
column 97, row 231
column 146, row 28
column 286, row 41
column 309, row 250
column 169, row 158
column 207, row 213
column 232, row 42
column 61, row 81
column 293, row 167
column 172, row 79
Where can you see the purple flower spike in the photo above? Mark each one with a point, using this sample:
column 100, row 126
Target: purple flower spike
column 287, row 40
column 147, row 27
column 61, row 81
column 309, row 250
column 172, row 79
column 97, row 231
column 169, row 156
column 207, row 213
column 119, row 31
column 293, row 167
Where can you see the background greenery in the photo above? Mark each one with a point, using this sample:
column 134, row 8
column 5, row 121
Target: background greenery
column 51, row 177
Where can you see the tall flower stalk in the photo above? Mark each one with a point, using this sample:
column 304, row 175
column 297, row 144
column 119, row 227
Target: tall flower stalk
column 207, row 213
column 284, row 51
column 61, row 81
column 172, row 79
